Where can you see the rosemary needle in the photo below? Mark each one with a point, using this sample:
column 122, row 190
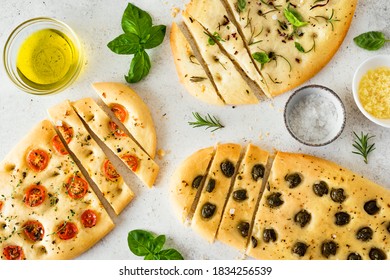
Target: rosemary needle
column 207, row 121
column 363, row 148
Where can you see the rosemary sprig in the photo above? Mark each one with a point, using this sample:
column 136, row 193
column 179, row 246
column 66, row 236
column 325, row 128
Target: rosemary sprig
column 362, row 146
column 208, row 121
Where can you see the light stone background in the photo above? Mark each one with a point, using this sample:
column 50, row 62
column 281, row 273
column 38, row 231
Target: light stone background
column 97, row 22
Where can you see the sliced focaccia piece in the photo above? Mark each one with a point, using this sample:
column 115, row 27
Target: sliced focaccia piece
column 90, row 155
column 209, row 209
column 292, row 41
column 117, row 140
column 187, row 180
column 213, row 16
column 191, row 73
column 237, row 218
column 130, row 110
column 48, row 210
column 315, row 209
column 230, row 84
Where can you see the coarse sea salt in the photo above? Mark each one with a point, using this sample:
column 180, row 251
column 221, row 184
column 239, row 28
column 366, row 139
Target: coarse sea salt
column 313, row 118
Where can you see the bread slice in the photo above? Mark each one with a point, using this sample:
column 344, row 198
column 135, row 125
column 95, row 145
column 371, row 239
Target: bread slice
column 119, row 143
column 208, row 212
column 91, row 157
column 191, row 73
column 137, row 119
column 237, row 218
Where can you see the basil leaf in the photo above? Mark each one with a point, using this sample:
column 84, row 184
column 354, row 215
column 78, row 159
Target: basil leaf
column 159, row 242
column 141, row 243
column 214, row 38
column 299, row 47
column 241, row 4
column 136, row 21
column 125, row 44
column 139, row 67
column 372, row 41
column 152, row 257
column 294, row 17
column 170, row 254
column 261, row 57
column 156, row 37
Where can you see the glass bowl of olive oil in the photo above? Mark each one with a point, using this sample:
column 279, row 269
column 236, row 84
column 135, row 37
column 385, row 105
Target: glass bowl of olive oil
column 42, row 56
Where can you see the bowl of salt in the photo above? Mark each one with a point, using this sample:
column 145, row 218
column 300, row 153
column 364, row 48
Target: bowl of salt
column 314, row 115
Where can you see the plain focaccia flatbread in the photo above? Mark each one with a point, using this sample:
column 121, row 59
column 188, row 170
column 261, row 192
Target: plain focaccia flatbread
column 212, row 15
column 190, row 71
column 239, row 210
column 123, row 146
column 138, row 120
column 92, row 157
column 209, row 209
column 264, row 22
column 318, row 232
column 187, row 180
column 230, row 84
column 16, row 176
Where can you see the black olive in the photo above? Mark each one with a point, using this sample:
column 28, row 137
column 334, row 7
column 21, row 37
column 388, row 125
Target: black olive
column 329, row 248
column 354, row 257
column 321, row 188
column 210, row 185
column 208, row 210
column 300, row 249
column 342, row 218
column 337, row 195
column 364, row 234
column 293, row 180
column 254, row 242
column 269, row 234
column 258, row 172
column 371, row 207
column 240, row 195
column 377, row 254
column 302, row 218
column 196, row 182
column 227, row 168
column 273, row 200
column 243, row 228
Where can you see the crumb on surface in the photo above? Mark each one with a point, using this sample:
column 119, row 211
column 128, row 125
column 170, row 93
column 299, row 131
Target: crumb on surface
column 175, row 11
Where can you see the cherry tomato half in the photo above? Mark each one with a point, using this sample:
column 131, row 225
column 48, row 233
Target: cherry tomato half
column 110, row 171
column 66, row 132
column 34, row 195
column 58, row 145
column 13, row 252
column 67, row 230
column 76, row 187
column 131, row 161
column 119, row 111
column 34, row 230
column 37, row 160
column 116, row 130
column 88, row 218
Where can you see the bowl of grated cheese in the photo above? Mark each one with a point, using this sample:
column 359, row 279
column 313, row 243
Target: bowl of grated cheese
column 371, row 89
column 314, row 115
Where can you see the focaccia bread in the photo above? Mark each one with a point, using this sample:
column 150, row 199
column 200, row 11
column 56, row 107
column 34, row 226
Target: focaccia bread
column 91, row 156
column 315, row 209
column 236, row 223
column 209, row 209
column 191, row 73
column 47, row 208
column 117, row 140
column 131, row 111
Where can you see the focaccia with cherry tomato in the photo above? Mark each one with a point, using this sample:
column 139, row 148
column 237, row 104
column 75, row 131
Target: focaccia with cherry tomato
column 47, row 208
column 91, row 156
column 121, row 144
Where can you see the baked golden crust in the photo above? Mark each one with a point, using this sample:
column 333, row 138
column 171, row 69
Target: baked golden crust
column 91, row 157
column 16, row 177
column 139, row 121
column 190, row 71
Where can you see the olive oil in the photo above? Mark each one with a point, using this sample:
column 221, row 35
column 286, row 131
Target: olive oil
column 46, row 58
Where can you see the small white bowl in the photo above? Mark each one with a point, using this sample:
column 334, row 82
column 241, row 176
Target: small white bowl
column 314, row 115
column 368, row 64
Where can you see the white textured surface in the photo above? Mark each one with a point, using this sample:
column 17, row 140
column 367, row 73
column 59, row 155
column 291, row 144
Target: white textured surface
column 97, row 22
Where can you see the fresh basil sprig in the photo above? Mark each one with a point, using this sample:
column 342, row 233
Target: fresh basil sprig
column 294, row 17
column 372, row 41
column 144, row 244
column 139, row 34
column 261, row 57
